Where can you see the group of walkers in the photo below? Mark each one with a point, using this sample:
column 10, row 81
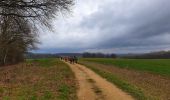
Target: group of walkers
column 72, row 60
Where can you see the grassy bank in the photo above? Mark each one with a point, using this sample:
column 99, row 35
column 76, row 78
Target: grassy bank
column 124, row 85
column 43, row 79
column 157, row 66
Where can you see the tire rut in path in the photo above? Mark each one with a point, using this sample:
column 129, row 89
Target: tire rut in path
column 94, row 87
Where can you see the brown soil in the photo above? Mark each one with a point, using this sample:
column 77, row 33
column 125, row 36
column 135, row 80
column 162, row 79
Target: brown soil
column 153, row 85
column 94, row 87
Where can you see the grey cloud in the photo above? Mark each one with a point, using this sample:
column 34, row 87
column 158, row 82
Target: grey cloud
column 131, row 24
column 125, row 25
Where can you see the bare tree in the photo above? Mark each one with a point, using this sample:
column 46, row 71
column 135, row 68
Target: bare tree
column 41, row 10
column 15, row 39
column 18, row 24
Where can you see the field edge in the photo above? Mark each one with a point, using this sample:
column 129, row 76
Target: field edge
column 133, row 90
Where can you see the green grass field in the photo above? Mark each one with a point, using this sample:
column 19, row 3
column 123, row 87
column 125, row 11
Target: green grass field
column 42, row 79
column 158, row 66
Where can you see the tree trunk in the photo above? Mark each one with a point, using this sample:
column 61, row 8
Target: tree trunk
column 5, row 56
column 1, row 56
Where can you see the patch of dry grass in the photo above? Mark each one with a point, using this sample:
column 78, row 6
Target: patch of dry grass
column 154, row 86
column 30, row 81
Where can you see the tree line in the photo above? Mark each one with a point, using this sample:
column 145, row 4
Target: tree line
column 152, row 55
column 98, row 55
column 40, row 56
column 20, row 21
column 30, row 55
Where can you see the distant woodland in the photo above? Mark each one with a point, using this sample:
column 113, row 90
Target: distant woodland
column 152, row 55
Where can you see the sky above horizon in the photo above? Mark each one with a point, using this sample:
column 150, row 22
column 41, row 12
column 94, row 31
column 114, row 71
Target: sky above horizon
column 110, row 26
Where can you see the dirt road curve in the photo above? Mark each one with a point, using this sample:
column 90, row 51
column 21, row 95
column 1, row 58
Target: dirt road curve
column 94, row 87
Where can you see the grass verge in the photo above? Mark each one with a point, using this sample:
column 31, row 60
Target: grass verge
column 42, row 79
column 125, row 86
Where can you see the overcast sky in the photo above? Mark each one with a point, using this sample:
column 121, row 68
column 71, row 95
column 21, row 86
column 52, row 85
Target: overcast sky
column 110, row 26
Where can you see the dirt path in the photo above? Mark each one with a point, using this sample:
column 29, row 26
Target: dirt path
column 94, row 87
